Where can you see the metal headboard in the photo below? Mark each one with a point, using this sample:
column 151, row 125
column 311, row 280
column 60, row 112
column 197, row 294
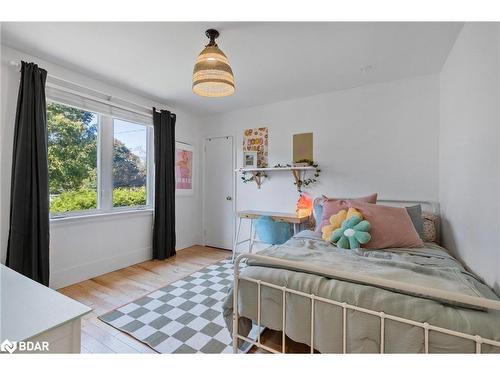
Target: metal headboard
column 431, row 206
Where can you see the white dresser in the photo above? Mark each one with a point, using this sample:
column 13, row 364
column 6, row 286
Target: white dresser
column 32, row 315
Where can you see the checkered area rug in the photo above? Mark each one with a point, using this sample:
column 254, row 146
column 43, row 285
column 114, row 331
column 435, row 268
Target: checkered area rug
column 182, row 317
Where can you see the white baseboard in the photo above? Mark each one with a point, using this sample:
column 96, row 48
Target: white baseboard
column 85, row 271
column 82, row 272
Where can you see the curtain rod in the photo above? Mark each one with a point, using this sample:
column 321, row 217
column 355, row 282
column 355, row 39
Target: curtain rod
column 108, row 101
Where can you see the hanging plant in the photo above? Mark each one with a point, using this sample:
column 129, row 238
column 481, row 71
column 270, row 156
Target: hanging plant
column 254, row 175
column 300, row 183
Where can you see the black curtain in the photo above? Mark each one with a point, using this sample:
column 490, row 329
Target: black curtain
column 28, row 245
column 164, row 215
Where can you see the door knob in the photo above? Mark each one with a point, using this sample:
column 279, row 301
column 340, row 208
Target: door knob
column 228, row 198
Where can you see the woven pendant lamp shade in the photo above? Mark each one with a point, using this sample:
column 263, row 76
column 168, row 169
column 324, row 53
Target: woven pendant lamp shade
column 212, row 74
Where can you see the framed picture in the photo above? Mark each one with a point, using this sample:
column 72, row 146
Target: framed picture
column 302, row 148
column 249, row 159
column 184, row 154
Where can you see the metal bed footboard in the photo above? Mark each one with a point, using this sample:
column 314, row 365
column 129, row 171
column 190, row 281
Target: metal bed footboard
column 443, row 295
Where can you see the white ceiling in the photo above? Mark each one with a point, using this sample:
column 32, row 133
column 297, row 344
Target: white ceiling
column 271, row 61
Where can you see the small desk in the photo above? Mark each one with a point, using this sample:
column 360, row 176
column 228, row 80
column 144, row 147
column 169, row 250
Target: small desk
column 252, row 215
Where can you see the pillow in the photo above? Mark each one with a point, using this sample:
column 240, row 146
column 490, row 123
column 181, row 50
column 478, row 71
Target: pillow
column 273, row 232
column 318, row 212
column 336, row 222
column 390, row 226
column 430, row 227
column 415, row 213
column 333, row 205
column 353, row 233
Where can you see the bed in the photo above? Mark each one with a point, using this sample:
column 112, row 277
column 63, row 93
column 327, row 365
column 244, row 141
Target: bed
column 362, row 301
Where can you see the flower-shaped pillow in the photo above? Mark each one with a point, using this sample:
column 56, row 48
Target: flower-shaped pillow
column 353, row 233
column 337, row 220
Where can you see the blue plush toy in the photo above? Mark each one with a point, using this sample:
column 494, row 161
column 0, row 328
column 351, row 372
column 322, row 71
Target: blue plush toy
column 352, row 234
column 273, row 232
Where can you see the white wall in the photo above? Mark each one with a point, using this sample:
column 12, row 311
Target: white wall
column 83, row 248
column 379, row 138
column 469, row 172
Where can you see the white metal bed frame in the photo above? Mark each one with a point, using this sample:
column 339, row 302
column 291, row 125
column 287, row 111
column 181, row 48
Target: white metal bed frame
column 393, row 285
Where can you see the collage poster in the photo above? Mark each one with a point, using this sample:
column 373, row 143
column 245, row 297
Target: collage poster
column 257, row 140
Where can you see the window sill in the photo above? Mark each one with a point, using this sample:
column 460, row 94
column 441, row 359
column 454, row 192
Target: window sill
column 101, row 216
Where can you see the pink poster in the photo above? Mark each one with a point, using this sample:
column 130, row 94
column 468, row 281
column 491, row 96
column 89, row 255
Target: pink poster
column 183, row 168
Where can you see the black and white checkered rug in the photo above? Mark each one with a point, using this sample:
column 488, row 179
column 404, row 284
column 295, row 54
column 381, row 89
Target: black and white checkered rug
column 182, row 317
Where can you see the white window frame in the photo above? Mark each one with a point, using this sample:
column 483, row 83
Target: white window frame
column 105, row 131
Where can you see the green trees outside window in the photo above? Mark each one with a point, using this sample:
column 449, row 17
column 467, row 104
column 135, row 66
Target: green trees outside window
column 73, row 143
column 129, row 163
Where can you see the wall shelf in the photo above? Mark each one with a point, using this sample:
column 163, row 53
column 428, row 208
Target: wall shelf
column 258, row 173
column 243, row 170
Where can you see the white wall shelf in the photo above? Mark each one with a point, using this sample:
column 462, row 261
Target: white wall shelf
column 259, row 173
column 243, row 170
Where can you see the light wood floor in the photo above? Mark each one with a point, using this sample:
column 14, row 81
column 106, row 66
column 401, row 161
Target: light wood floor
column 120, row 287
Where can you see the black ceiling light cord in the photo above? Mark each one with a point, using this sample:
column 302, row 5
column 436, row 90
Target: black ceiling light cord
column 28, row 245
column 212, row 34
column 164, row 210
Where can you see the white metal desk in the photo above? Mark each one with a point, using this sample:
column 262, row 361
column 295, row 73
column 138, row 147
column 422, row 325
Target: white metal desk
column 252, row 215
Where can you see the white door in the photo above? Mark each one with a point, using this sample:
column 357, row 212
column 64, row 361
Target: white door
column 218, row 192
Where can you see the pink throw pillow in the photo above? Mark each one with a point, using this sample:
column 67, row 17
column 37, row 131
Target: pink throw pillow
column 390, row 226
column 333, row 205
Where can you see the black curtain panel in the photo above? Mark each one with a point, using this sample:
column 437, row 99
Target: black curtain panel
column 28, row 245
column 164, row 215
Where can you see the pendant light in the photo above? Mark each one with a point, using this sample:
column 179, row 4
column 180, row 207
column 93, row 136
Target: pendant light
column 212, row 75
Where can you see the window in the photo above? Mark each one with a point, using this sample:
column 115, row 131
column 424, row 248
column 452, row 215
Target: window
column 97, row 163
column 129, row 164
column 72, row 154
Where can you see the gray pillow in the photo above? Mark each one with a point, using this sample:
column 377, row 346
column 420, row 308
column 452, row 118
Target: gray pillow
column 317, row 213
column 415, row 213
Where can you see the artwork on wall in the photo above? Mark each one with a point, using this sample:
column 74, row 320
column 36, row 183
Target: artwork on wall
column 183, row 168
column 302, row 147
column 256, row 140
column 250, row 159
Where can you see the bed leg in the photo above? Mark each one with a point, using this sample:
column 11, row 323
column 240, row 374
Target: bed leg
column 283, row 333
column 258, row 312
column 426, row 338
column 236, row 239
column 312, row 323
column 250, row 243
column 479, row 341
column 344, row 328
column 382, row 332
